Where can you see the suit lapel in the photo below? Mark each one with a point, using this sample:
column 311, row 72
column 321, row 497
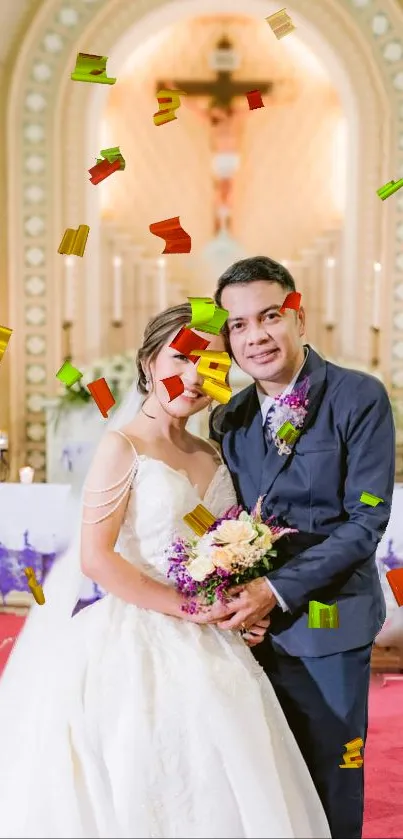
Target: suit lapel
column 274, row 463
column 249, row 439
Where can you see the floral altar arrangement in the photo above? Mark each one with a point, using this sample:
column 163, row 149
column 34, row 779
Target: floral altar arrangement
column 118, row 370
column 236, row 548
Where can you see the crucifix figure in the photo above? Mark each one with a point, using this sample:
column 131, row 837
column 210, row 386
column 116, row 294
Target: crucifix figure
column 226, row 122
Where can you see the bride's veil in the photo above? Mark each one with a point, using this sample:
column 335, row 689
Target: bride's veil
column 39, row 643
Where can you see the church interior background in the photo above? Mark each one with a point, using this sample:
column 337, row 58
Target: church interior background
column 296, row 180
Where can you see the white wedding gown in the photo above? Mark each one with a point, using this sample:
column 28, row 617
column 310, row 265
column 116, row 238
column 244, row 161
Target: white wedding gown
column 151, row 726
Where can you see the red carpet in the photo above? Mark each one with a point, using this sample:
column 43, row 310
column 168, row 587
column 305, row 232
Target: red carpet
column 384, row 762
column 383, row 753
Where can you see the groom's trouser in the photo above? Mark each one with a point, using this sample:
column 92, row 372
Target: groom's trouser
column 325, row 701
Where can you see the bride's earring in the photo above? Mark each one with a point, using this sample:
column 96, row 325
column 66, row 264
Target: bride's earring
column 148, row 384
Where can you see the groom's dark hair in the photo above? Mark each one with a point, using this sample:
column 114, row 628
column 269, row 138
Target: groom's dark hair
column 251, row 270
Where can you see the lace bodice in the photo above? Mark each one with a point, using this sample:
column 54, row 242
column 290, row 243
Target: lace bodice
column 159, row 498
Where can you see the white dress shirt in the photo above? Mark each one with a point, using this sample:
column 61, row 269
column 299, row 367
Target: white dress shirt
column 266, row 403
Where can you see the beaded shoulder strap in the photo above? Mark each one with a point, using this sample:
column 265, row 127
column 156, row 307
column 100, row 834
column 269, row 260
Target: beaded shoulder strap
column 122, row 487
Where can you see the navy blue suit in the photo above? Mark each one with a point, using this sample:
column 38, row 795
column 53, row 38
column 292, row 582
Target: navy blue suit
column 321, row 676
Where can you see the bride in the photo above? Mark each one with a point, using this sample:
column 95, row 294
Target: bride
column 134, row 718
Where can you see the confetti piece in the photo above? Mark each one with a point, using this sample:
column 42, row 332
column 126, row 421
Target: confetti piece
column 112, row 155
column 288, row 433
column 388, row 189
column 35, row 587
column 395, row 580
column 371, row 500
column 74, row 241
column 280, row 23
column 170, row 98
column 102, row 170
column 68, row 374
column 292, row 301
column 5, row 335
column 101, row 394
column 187, row 341
column 352, row 757
column 255, row 100
column 199, row 520
column 323, row 615
column 174, row 386
column 214, row 366
column 91, row 68
column 176, row 239
column 206, row 316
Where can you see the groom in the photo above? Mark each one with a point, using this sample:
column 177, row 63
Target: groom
column 346, row 447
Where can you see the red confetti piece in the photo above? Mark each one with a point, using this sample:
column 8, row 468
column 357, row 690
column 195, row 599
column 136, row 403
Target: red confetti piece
column 255, row 100
column 292, row 301
column 101, row 394
column 395, row 580
column 102, row 170
column 174, row 386
column 176, row 238
column 186, row 340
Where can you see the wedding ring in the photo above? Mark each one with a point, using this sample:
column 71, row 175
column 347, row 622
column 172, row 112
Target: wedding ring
column 243, row 627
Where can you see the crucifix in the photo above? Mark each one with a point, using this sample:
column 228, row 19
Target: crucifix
column 225, row 121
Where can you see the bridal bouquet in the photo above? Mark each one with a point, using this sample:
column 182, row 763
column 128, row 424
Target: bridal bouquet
column 236, row 548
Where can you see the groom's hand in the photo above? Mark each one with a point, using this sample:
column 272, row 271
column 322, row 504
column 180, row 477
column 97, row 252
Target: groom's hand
column 251, row 604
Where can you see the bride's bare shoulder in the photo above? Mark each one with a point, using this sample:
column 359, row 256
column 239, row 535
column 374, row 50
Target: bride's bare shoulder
column 209, row 447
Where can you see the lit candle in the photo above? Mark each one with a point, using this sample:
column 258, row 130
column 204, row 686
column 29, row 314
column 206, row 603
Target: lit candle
column 69, row 288
column 27, row 474
column 162, row 283
column 117, row 288
column 330, row 313
column 376, row 297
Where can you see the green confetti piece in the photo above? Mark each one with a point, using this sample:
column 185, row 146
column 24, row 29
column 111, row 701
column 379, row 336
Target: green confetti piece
column 323, row 615
column 91, row 68
column 206, row 316
column 288, row 433
column 371, row 500
column 388, row 189
column 68, row 374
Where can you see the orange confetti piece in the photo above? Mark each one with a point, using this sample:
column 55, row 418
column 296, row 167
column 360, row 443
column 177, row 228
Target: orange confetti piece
column 292, row 301
column 176, row 238
column 101, row 394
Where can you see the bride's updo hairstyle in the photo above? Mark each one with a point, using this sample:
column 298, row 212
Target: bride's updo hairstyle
column 157, row 333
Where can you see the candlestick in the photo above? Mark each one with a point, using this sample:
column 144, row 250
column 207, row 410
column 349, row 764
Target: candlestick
column 330, row 313
column 376, row 297
column 117, row 288
column 162, row 284
column 69, row 288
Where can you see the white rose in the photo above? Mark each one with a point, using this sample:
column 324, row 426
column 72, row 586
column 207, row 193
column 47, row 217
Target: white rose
column 232, row 532
column 200, row 567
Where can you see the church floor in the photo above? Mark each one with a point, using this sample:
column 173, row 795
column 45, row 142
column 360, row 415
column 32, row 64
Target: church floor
column 383, row 753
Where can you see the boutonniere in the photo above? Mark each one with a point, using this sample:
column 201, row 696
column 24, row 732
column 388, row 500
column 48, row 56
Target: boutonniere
column 288, row 416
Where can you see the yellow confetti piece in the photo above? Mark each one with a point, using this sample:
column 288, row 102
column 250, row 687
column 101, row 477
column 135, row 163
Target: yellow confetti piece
column 371, row 500
column 199, row 520
column 74, row 241
column 280, row 23
column 168, row 102
column 352, row 757
column 35, row 587
column 5, row 335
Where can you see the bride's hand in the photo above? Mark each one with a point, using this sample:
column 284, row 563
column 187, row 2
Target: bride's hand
column 213, row 614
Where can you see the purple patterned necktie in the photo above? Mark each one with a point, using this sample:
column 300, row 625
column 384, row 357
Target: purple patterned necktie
column 266, row 427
